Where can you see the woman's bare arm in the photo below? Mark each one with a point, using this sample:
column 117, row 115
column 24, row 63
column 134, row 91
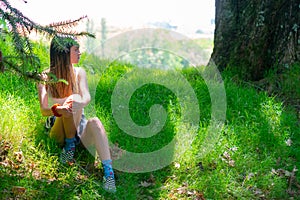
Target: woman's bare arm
column 43, row 98
column 84, row 96
column 83, row 88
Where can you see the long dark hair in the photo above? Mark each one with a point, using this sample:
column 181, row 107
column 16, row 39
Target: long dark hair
column 61, row 67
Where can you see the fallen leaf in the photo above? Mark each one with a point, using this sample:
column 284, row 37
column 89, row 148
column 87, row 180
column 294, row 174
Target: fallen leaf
column 19, row 156
column 182, row 190
column 17, row 190
column 177, row 165
column 145, row 184
column 231, row 163
column 36, row 174
column 50, row 180
column 151, row 178
column 31, row 165
column 199, row 196
column 289, row 142
column 287, row 173
column 172, row 197
column 282, row 172
column 250, row 175
column 15, row 166
column 233, row 149
column 258, row 191
column 191, row 193
column 70, row 163
column 6, row 146
column 149, row 182
column 227, row 158
column 226, row 155
column 5, row 164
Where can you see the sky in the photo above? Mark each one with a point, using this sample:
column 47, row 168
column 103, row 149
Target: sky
column 187, row 15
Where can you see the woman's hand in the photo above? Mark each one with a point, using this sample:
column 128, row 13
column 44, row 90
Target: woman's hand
column 65, row 111
column 74, row 103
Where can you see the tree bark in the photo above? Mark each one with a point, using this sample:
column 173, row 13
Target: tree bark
column 254, row 36
column 1, row 62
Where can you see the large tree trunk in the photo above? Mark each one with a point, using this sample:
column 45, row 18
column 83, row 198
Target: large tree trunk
column 253, row 36
column 1, row 62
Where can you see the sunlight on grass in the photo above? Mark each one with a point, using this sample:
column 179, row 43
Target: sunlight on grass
column 15, row 121
column 272, row 112
column 254, row 157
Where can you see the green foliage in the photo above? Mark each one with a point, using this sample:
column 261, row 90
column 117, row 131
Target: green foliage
column 15, row 29
column 284, row 82
column 256, row 155
column 139, row 106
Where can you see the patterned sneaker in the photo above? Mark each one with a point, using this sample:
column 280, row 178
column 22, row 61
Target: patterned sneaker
column 67, row 157
column 109, row 184
column 49, row 123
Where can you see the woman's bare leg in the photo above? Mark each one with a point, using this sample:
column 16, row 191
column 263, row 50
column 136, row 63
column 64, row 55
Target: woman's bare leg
column 64, row 131
column 69, row 127
column 95, row 134
column 57, row 131
column 63, row 128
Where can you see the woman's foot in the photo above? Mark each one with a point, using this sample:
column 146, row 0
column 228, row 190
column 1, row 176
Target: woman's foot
column 109, row 177
column 67, row 156
column 109, row 184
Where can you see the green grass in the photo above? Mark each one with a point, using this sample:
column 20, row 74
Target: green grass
column 252, row 158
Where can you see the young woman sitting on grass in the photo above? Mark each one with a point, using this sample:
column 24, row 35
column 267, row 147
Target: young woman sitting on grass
column 64, row 103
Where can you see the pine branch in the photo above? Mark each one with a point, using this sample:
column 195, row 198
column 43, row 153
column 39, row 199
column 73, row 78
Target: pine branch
column 19, row 27
column 76, row 34
column 18, row 68
column 19, row 17
column 67, row 23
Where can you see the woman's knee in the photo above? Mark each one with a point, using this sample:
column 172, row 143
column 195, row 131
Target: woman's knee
column 95, row 123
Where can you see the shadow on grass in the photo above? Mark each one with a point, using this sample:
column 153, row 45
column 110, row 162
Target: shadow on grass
column 267, row 135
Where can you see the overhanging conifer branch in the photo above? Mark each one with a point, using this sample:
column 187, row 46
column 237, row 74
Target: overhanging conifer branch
column 18, row 28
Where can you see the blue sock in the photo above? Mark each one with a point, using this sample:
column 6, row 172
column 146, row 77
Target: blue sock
column 108, row 170
column 70, row 144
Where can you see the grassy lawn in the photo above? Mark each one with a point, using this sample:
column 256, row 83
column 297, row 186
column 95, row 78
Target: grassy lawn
column 256, row 155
